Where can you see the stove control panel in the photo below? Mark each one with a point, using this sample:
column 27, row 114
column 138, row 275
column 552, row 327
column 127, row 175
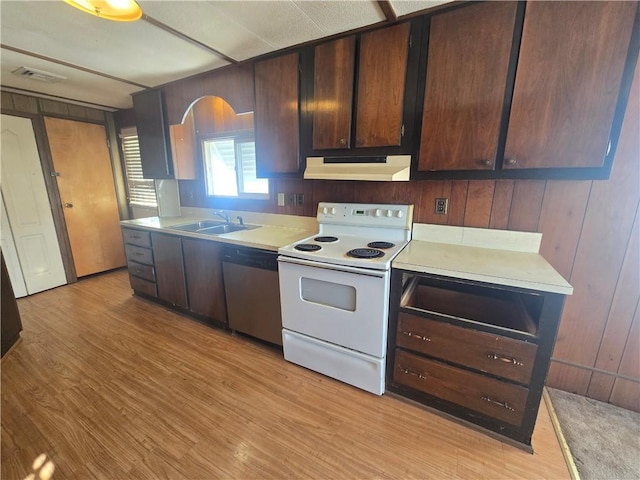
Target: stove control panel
column 363, row 214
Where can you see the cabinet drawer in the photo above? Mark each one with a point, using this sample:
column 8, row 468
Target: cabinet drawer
column 491, row 397
column 143, row 271
column 136, row 237
column 498, row 355
column 143, row 286
column 139, row 254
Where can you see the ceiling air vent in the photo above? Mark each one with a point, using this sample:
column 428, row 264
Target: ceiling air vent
column 39, row 75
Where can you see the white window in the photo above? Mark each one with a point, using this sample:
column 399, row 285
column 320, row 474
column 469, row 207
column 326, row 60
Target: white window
column 230, row 168
column 142, row 191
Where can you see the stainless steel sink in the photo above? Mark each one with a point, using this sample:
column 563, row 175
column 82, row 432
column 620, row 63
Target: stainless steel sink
column 209, row 227
column 197, row 226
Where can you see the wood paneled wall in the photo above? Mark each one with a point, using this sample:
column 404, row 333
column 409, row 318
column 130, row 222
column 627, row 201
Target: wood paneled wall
column 590, row 235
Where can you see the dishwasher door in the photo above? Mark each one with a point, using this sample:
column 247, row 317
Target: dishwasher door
column 252, row 290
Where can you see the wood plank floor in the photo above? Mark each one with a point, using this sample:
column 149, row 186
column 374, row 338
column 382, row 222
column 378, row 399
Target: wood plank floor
column 112, row 386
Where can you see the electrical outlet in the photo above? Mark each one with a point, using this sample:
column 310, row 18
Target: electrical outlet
column 441, row 206
column 281, row 199
column 291, row 199
column 299, row 199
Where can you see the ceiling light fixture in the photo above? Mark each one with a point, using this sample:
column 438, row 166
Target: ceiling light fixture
column 118, row 10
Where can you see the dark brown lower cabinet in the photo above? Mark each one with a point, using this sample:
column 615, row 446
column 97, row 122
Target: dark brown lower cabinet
column 477, row 351
column 11, row 323
column 167, row 255
column 203, row 268
column 183, row 272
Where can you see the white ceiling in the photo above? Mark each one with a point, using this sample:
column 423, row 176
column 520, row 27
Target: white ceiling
column 104, row 62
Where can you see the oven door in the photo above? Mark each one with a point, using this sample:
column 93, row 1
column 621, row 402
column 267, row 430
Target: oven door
column 342, row 305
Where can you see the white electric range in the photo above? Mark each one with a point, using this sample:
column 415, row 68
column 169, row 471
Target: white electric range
column 334, row 291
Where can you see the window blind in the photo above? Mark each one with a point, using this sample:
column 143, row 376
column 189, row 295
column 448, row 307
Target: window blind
column 142, row 191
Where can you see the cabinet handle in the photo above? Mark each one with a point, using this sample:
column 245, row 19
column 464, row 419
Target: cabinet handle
column 511, row 360
column 138, row 254
column 505, row 405
column 343, row 141
column 486, row 162
column 135, row 236
column 68, row 205
column 416, row 335
column 408, row 371
column 511, row 161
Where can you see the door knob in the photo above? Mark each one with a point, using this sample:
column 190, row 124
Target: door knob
column 68, row 205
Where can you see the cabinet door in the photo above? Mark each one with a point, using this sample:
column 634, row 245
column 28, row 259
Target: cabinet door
column 153, row 134
column 167, row 255
column 468, row 59
column 183, row 143
column 382, row 71
column 276, row 115
column 203, row 269
column 569, row 71
column 334, row 64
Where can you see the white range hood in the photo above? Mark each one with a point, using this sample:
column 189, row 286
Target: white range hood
column 390, row 168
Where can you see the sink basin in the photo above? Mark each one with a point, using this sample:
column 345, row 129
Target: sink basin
column 197, row 226
column 209, row 227
column 225, row 228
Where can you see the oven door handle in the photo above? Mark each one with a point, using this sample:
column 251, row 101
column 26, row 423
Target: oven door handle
column 337, row 268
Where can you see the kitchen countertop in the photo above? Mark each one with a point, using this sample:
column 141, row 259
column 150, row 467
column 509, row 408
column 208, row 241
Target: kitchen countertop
column 428, row 252
column 267, row 237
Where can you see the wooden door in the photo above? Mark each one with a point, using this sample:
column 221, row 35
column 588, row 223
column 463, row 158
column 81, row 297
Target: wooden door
column 571, row 61
column 203, row 271
column 334, row 65
column 87, row 191
column 276, row 115
column 167, row 258
column 382, row 71
column 28, row 210
column 468, row 59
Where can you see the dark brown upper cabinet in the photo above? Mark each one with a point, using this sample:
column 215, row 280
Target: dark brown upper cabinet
column 570, row 68
column 382, row 71
column 532, row 90
column 276, row 115
column 468, row 61
column 359, row 93
column 153, row 134
column 334, row 67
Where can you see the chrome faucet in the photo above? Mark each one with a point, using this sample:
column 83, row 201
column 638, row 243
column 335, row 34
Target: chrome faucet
column 223, row 214
column 240, row 220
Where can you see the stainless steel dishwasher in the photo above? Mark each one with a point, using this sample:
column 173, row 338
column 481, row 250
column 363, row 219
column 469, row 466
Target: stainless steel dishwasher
column 252, row 290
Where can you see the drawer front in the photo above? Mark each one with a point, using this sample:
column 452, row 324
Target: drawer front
column 139, row 254
column 143, row 286
column 143, row 271
column 501, row 356
column 491, row 397
column 136, row 237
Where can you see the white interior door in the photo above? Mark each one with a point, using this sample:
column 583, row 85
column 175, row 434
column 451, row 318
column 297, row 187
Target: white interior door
column 11, row 256
column 27, row 205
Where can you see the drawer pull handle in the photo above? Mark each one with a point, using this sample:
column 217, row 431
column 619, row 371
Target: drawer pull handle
column 408, row 371
column 415, row 335
column 513, row 361
column 502, row 404
column 136, row 236
column 138, row 254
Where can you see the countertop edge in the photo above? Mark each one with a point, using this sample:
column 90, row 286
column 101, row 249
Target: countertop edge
column 234, row 238
column 496, row 280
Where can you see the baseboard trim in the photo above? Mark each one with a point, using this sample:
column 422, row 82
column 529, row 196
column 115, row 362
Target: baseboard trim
column 564, row 446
